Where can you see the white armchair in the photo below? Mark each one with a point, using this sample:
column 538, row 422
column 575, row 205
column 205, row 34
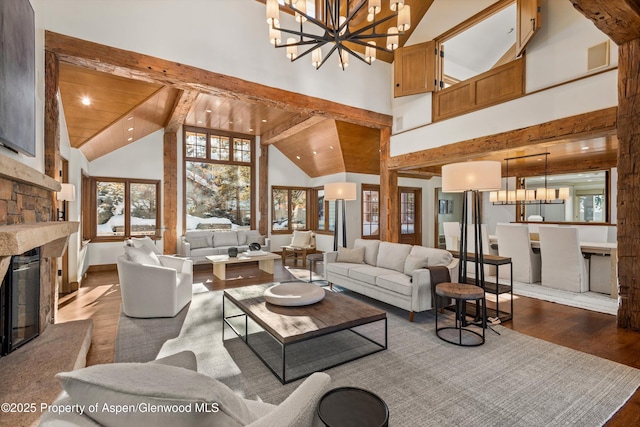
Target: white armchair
column 150, row 290
column 563, row 265
column 514, row 242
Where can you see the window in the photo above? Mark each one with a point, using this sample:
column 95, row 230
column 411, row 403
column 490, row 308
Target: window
column 324, row 218
column 124, row 207
column 219, row 177
column 370, row 211
column 289, row 209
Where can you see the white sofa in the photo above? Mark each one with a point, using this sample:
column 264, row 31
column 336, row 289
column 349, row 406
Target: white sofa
column 171, row 382
column 198, row 244
column 394, row 273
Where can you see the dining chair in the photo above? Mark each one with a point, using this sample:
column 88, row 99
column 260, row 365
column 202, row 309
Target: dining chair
column 514, row 242
column 451, row 235
column 563, row 264
column 489, row 270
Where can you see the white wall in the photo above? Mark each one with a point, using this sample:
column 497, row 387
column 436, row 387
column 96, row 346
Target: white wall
column 225, row 36
column 558, row 53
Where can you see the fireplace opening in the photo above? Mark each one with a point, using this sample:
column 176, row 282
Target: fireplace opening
column 20, row 301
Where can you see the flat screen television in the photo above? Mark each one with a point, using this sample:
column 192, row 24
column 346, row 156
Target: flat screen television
column 17, row 76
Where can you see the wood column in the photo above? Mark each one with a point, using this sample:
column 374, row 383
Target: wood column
column 389, row 208
column 52, row 163
column 629, row 184
column 263, row 189
column 170, row 193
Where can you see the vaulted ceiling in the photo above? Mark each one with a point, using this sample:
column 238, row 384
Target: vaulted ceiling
column 124, row 110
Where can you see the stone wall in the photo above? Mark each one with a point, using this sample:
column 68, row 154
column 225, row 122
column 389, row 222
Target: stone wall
column 22, row 203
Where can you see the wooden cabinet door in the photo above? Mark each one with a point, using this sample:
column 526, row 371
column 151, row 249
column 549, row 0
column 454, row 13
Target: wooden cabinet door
column 414, row 69
column 528, row 20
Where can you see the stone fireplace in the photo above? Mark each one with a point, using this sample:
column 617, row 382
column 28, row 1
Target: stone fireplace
column 26, row 207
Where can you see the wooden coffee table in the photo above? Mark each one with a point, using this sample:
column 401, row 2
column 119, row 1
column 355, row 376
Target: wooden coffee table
column 220, row 262
column 294, row 342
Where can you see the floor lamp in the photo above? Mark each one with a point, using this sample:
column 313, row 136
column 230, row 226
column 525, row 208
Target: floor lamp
column 471, row 178
column 340, row 191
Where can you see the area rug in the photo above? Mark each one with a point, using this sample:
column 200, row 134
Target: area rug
column 512, row 380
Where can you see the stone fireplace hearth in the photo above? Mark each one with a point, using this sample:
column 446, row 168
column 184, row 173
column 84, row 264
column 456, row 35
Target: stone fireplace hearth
column 26, row 206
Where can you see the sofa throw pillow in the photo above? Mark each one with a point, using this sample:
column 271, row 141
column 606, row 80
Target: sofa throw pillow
column 434, row 256
column 190, row 398
column 198, row 242
column 355, row 255
column 371, row 249
column 141, row 255
column 301, row 239
column 225, row 238
column 392, row 255
column 414, row 262
column 144, row 242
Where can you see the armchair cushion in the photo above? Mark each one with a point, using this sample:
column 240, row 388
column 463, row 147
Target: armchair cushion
column 145, row 242
column 301, row 239
column 141, row 255
column 140, row 385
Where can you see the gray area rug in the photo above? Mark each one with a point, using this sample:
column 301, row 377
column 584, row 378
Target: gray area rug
column 512, row 380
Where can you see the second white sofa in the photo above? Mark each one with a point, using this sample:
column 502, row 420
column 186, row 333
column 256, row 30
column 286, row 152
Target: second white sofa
column 394, row 273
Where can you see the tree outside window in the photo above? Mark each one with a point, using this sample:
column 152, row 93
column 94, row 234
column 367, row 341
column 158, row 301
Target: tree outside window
column 125, row 207
column 218, row 186
column 289, row 209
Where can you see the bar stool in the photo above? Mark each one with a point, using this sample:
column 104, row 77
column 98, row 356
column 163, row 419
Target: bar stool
column 462, row 293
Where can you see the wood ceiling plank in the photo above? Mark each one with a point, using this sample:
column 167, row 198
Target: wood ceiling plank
column 618, row 19
column 360, row 148
column 111, row 60
column 321, row 138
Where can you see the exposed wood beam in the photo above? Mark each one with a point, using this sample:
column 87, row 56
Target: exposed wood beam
column 587, row 125
column 170, row 193
column 389, row 209
column 295, row 124
column 263, row 190
column 148, row 68
column 618, row 19
column 180, row 110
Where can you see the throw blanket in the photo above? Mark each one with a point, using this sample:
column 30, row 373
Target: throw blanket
column 439, row 274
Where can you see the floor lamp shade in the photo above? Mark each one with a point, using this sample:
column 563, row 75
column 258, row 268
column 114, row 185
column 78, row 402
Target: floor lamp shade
column 344, row 191
column 340, row 191
column 482, row 175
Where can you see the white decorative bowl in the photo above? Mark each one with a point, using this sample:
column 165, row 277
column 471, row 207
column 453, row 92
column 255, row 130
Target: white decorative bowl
column 294, row 294
column 255, row 253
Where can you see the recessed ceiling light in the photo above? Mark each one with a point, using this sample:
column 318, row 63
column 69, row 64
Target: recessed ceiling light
column 298, row 157
column 584, row 148
column 230, row 122
column 315, row 152
column 130, row 118
column 86, row 100
column 331, row 146
column 130, row 139
column 264, row 120
column 207, row 110
column 199, row 121
column 250, row 129
column 130, row 129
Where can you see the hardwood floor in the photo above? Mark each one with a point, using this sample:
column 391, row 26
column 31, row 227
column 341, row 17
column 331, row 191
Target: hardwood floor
column 579, row 329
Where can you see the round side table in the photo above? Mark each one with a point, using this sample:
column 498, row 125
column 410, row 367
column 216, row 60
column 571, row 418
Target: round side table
column 352, row 407
column 460, row 334
column 312, row 260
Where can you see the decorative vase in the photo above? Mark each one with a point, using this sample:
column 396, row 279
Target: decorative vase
column 255, row 246
column 233, row 252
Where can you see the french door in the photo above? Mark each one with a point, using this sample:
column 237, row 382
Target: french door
column 410, row 215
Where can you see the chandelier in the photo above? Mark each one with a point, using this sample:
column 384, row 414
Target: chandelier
column 334, row 28
column 541, row 195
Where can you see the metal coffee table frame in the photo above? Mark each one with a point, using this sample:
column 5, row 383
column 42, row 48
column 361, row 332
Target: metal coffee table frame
column 283, row 346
